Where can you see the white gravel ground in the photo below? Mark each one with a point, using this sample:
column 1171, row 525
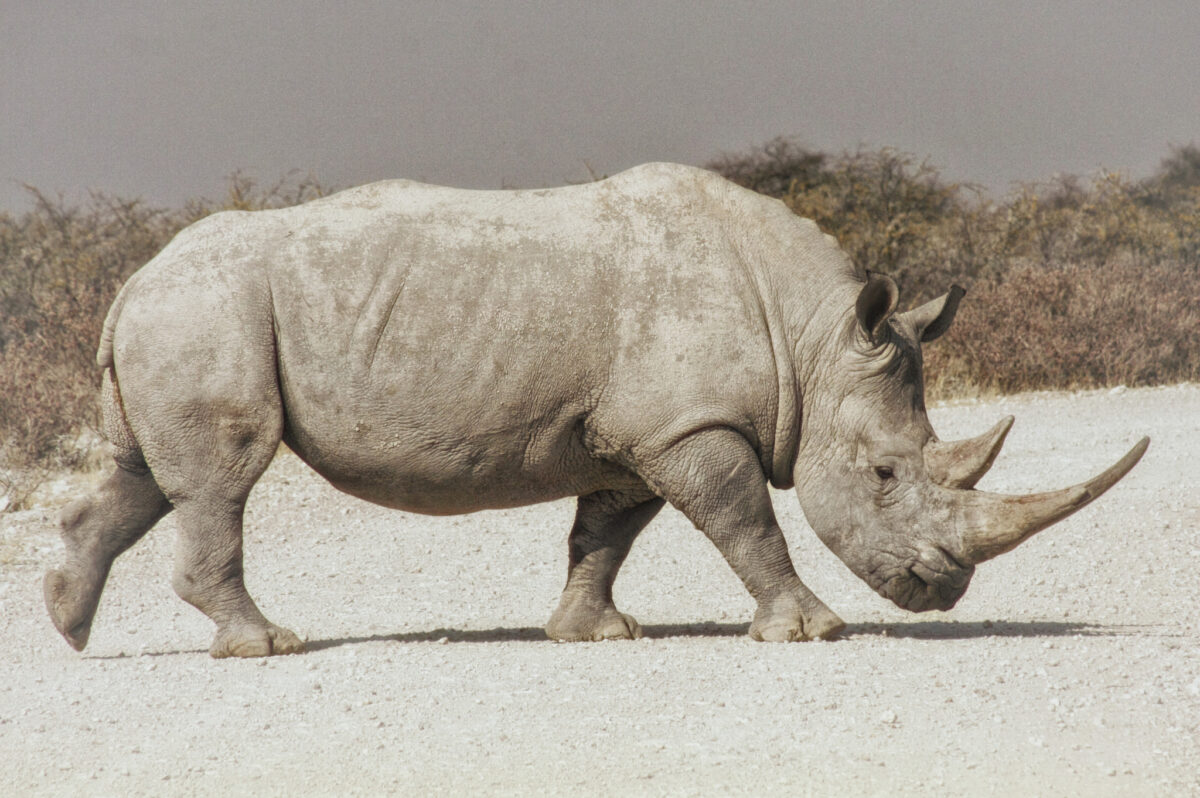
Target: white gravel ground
column 1071, row 667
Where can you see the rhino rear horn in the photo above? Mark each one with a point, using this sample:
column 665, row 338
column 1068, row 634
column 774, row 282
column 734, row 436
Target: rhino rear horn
column 961, row 464
column 991, row 524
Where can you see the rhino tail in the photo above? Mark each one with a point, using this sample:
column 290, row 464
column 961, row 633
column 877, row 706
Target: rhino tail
column 127, row 452
column 104, row 353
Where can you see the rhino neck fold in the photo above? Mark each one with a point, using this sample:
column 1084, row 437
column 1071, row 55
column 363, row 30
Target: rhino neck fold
column 778, row 454
column 798, row 274
column 799, row 330
column 787, row 415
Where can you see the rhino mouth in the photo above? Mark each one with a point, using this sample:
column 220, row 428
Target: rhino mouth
column 935, row 580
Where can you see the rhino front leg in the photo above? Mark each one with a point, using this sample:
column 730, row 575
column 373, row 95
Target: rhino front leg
column 606, row 524
column 714, row 478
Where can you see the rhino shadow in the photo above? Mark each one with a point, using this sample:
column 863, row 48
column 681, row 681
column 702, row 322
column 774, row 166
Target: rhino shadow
column 535, row 634
column 919, row 630
column 967, row 630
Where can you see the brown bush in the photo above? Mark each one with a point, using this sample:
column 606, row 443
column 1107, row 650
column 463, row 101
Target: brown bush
column 1123, row 323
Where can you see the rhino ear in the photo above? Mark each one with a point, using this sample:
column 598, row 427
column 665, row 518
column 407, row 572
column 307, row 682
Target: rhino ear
column 933, row 318
column 876, row 303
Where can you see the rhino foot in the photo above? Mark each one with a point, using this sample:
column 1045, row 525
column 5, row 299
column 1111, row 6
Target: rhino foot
column 786, row 620
column 608, row 624
column 255, row 641
column 72, row 606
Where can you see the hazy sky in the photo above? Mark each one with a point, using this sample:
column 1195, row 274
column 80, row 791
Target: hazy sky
column 164, row 99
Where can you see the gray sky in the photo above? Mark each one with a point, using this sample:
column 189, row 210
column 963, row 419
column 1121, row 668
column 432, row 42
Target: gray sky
column 163, row 99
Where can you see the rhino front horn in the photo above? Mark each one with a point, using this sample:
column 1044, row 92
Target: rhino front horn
column 960, row 464
column 992, row 524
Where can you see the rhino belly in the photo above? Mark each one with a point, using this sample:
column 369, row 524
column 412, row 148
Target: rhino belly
column 443, row 467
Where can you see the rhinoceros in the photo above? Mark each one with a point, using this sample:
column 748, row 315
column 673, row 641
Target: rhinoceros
column 663, row 335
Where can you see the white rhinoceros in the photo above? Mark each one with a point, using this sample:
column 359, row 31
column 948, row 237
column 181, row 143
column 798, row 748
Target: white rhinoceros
column 660, row 336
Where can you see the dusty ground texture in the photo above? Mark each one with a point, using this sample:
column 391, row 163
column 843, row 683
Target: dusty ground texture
column 1071, row 666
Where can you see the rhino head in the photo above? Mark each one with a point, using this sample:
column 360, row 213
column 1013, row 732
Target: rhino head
column 890, row 499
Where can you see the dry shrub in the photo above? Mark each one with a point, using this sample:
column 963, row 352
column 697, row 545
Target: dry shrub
column 780, row 167
column 48, row 402
column 1126, row 323
column 47, row 376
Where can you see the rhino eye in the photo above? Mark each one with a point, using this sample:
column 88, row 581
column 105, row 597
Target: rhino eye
column 884, row 473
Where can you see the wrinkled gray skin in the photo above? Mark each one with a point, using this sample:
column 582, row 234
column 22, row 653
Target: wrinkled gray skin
column 661, row 336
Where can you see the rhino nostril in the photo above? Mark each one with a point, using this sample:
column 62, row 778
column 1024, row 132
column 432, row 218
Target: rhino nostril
column 924, row 573
column 952, row 560
column 940, row 589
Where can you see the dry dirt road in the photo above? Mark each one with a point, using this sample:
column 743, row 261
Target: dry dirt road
column 1071, row 667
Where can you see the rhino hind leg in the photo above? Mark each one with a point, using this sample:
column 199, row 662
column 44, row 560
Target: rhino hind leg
column 714, row 477
column 606, row 524
column 96, row 530
column 208, row 575
column 209, row 486
column 208, row 435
